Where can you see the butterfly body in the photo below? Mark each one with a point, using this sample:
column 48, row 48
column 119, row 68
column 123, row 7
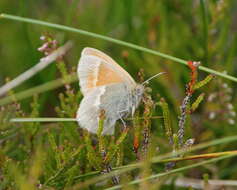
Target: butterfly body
column 105, row 86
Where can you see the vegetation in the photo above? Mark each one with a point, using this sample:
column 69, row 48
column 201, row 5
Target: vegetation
column 184, row 128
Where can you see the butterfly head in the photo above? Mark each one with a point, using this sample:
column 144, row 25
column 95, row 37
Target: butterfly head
column 139, row 90
column 137, row 96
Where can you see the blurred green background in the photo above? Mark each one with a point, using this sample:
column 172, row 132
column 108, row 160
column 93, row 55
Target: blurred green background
column 197, row 30
column 179, row 28
column 192, row 30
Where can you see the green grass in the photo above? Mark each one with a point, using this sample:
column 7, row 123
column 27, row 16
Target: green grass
column 42, row 145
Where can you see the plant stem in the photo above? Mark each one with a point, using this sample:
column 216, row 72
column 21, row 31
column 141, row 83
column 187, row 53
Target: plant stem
column 36, row 68
column 38, row 89
column 194, row 157
column 57, row 119
column 110, row 39
column 174, row 171
column 40, row 119
column 205, row 28
column 157, row 159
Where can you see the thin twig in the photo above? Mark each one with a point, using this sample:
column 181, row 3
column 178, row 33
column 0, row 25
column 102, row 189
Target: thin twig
column 189, row 92
column 44, row 62
column 41, row 119
column 38, row 89
column 159, row 159
column 194, row 157
column 199, row 184
column 182, row 118
column 155, row 176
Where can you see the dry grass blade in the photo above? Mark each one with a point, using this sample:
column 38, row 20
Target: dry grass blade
column 199, row 184
column 173, row 171
column 159, row 159
column 36, row 68
column 38, row 89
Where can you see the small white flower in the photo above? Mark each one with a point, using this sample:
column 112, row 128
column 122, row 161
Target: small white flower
column 190, row 142
column 211, row 97
column 212, row 115
column 229, row 106
column 231, row 121
column 43, row 47
column 42, row 38
column 224, row 85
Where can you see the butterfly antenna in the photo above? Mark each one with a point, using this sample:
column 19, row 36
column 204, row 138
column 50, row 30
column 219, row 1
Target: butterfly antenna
column 147, row 81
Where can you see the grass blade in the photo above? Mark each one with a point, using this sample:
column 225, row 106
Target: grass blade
column 174, row 171
column 45, row 119
column 158, row 159
column 39, row 89
column 110, row 39
column 35, row 69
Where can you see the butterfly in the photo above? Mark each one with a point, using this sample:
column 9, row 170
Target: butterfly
column 105, row 86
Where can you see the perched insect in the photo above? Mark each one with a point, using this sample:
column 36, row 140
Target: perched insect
column 105, row 86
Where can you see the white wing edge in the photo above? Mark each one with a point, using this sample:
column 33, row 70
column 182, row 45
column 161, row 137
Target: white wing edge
column 112, row 63
column 90, row 123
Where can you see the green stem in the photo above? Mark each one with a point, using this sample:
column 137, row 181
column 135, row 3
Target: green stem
column 40, row 119
column 120, row 42
column 194, row 157
column 36, row 90
column 205, row 28
column 173, row 171
column 156, row 159
column 57, row 119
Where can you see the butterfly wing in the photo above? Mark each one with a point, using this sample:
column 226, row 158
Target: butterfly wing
column 106, row 86
column 114, row 99
column 97, row 69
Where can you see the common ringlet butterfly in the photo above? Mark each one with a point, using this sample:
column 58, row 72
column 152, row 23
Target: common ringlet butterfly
column 105, row 86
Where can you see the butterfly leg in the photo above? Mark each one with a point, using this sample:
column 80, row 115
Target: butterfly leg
column 121, row 117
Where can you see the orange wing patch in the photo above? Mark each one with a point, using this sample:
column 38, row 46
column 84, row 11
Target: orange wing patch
column 107, row 76
column 107, row 59
column 103, row 76
column 91, row 81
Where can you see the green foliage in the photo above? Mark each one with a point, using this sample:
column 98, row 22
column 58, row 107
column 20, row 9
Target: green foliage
column 61, row 155
column 203, row 82
column 167, row 119
column 196, row 103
